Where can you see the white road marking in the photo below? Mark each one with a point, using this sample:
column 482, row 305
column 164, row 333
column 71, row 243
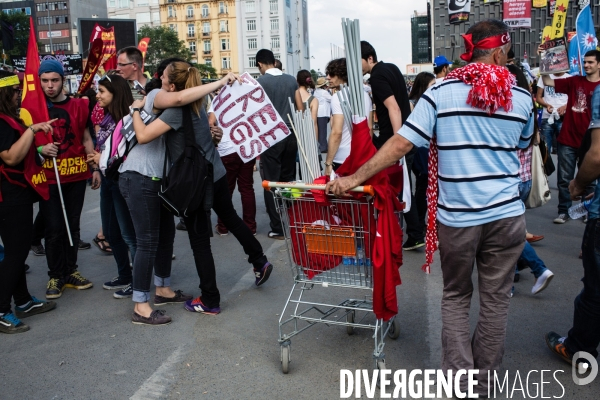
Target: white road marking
column 158, row 383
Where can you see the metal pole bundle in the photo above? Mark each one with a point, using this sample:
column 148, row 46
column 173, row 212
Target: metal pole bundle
column 351, row 31
column 308, row 146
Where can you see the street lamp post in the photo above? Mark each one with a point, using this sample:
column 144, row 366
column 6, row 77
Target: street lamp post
column 49, row 29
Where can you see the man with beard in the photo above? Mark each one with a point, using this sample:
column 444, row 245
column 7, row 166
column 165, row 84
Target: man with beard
column 70, row 143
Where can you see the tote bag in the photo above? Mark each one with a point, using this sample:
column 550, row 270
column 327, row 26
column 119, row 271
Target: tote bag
column 540, row 191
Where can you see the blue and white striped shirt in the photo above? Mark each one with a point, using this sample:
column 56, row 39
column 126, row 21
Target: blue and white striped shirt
column 478, row 166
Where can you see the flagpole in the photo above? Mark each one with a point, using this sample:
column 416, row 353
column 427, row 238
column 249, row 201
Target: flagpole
column 62, row 201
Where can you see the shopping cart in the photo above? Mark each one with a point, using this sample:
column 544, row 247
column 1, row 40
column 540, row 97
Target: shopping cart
column 328, row 246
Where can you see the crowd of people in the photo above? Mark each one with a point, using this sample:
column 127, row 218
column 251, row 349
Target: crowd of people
column 470, row 153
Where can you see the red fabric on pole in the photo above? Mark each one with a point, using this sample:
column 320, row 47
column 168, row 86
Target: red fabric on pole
column 387, row 248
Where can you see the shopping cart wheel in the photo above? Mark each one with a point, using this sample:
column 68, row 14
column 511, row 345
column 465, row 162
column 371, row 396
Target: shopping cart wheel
column 350, row 320
column 394, row 330
column 285, row 358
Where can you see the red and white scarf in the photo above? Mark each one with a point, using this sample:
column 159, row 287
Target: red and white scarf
column 491, row 89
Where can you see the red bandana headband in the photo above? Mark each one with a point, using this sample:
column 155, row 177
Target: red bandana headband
column 487, row 43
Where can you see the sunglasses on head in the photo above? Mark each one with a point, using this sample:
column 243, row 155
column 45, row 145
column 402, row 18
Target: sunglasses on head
column 105, row 77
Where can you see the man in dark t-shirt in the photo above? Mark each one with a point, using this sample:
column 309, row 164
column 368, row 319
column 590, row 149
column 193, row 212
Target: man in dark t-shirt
column 390, row 97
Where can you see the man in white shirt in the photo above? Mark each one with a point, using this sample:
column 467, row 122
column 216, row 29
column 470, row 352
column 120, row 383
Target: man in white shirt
column 551, row 101
column 324, row 98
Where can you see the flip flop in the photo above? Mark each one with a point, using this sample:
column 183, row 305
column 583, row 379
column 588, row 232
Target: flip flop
column 102, row 245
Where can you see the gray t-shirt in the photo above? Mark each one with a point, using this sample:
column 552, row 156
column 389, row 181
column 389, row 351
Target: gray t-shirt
column 147, row 159
column 175, row 138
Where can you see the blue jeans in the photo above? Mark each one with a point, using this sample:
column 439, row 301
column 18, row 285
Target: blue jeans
column 154, row 231
column 550, row 132
column 530, row 257
column 524, row 189
column 567, row 159
column 585, row 333
column 117, row 226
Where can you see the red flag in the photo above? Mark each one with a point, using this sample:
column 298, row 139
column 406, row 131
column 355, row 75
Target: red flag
column 143, row 47
column 34, row 110
column 93, row 62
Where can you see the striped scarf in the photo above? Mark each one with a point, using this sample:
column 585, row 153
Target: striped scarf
column 491, row 90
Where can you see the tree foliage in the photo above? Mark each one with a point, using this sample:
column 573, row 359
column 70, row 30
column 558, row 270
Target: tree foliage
column 20, row 24
column 314, row 75
column 164, row 43
column 206, row 71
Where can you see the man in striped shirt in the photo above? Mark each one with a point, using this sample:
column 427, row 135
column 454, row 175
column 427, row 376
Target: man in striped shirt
column 478, row 118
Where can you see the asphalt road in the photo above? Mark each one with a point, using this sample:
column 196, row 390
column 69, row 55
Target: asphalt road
column 88, row 348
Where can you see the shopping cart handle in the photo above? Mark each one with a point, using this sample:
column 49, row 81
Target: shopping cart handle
column 368, row 189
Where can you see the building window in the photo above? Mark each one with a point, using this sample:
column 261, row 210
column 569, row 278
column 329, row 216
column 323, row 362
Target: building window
column 142, row 2
column 222, row 7
column 123, row 4
column 204, row 11
column 190, row 12
column 252, row 43
column 273, row 6
column 173, row 27
column 225, row 63
column 252, row 62
column 156, row 17
column 191, row 30
column 206, row 28
column 224, row 44
column 275, row 42
column 223, row 26
column 207, row 46
column 57, row 47
column 193, row 46
column 111, row 3
column 251, row 25
column 250, row 6
column 208, row 61
column 170, row 12
column 274, row 24
column 143, row 18
column 57, row 19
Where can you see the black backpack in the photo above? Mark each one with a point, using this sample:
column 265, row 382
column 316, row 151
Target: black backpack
column 188, row 187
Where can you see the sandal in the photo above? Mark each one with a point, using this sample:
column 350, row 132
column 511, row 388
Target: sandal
column 102, row 244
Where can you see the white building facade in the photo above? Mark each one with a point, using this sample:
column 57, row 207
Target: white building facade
column 145, row 12
column 278, row 25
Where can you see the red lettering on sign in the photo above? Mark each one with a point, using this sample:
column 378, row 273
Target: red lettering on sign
column 271, row 133
column 220, row 100
column 237, row 130
column 268, row 109
column 233, row 121
column 253, row 144
column 247, row 96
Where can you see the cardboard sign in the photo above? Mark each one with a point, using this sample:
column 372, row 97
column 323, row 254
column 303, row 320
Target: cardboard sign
column 517, row 13
column 248, row 118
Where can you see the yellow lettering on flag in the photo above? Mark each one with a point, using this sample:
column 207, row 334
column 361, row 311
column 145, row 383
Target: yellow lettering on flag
column 560, row 18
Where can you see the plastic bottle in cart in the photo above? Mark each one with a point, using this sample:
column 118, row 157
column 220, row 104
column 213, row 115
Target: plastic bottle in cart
column 360, row 256
column 579, row 210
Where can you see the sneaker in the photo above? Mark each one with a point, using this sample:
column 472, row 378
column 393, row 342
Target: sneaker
column 221, row 232
column 9, row 323
column 517, row 277
column 26, row 267
column 115, row 283
column 555, row 343
column 38, row 250
column 181, row 226
column 561, row 219
column 412, row 244
column 276, row 235
column 84, row 245
column 35, row 306
column 157, row 317
column 54, row 288
column 173, row 257
column 178, row 298
column 76, row 281
column 585, row 219
column 542, row 282
column 263, row 275
column 124, row 293
column 196, row 305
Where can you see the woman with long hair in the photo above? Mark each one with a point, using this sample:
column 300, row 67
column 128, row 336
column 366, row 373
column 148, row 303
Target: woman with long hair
column 181, row 86
column 139, row 183
column 304, row 97
column 16, row 207
column 423, row 81
column 114, row 97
